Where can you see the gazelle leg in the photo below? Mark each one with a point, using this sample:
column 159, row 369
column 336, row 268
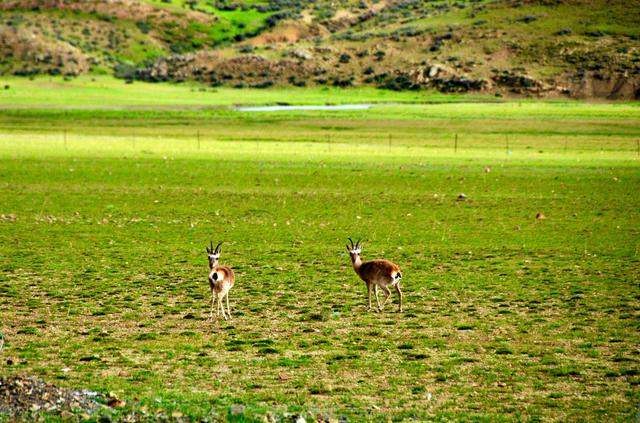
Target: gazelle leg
column 375, row 289
column 387, row 294
column 221, row 307
column 369, row 296
column 213, row 296
column 399, row 296
column 228, row 309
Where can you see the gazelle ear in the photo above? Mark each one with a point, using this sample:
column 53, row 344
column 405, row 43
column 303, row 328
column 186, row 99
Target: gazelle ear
column 348, row 249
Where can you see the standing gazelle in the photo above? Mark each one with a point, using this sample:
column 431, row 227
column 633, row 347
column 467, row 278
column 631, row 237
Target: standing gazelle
column 376, row 273
column 221, row 280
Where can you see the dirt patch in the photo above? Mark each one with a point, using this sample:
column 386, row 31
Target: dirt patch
column 22, row 396
column 210, row 67
column 120, row 9
column 290, row 32
column 606, row 85
column 42, row 55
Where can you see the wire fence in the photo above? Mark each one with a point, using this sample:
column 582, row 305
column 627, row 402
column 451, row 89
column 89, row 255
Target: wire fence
column 190, row 140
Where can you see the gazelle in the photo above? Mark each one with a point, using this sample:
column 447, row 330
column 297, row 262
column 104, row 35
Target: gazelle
column 376, row 273
column 221, row 280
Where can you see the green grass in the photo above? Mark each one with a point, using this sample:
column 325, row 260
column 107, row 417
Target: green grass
column 103, row 270
column 100, row 92
column 230, row 22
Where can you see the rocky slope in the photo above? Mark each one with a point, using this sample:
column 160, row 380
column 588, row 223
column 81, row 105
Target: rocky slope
column 576, row 48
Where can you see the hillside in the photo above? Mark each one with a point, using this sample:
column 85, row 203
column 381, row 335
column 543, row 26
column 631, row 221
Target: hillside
column 573, row 48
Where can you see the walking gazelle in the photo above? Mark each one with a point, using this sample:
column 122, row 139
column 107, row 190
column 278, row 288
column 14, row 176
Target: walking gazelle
column 376, row 273
column 221, row 280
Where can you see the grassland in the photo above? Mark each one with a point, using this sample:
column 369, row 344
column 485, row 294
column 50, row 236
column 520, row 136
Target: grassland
column 102, row 92
column 106, row 209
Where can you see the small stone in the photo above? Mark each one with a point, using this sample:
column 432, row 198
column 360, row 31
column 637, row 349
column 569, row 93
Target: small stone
column 301, row 53
column 462, row 197
column 283, row 376
column 540, row 216
column 236, row 409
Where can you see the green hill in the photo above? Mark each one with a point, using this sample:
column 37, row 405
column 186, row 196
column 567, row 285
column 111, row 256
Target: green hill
column 544, row 48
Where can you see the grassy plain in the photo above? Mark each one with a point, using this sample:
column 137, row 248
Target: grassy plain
column 105, row 92
column 105, row 212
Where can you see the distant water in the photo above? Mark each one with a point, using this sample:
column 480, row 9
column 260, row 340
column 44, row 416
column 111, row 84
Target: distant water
column 312, row 107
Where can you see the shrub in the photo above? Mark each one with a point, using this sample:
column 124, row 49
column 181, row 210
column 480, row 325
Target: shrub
column 596, row 33
column 528, row 19
column 399, row 83
column 124, row 71
column 343, row 82
column 144, row 27
column 564, row 31
column 263, row 84
column 344, row 58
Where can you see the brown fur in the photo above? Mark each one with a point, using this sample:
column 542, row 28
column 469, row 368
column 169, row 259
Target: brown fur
column 221, row 280
column 228, row 277
column 378, row 270
column 377, row 274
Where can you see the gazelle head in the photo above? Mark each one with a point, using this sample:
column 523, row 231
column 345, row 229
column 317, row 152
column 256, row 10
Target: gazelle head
column 213, row 254
column 354, row 250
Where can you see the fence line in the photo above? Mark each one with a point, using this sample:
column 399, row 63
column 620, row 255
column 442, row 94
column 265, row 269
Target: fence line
column 343, row 142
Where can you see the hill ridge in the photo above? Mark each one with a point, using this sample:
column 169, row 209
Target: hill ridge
column 574, row 48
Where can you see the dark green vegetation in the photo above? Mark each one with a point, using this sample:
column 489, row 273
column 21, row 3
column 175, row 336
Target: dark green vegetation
column 103, row 270
column 579, row 48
